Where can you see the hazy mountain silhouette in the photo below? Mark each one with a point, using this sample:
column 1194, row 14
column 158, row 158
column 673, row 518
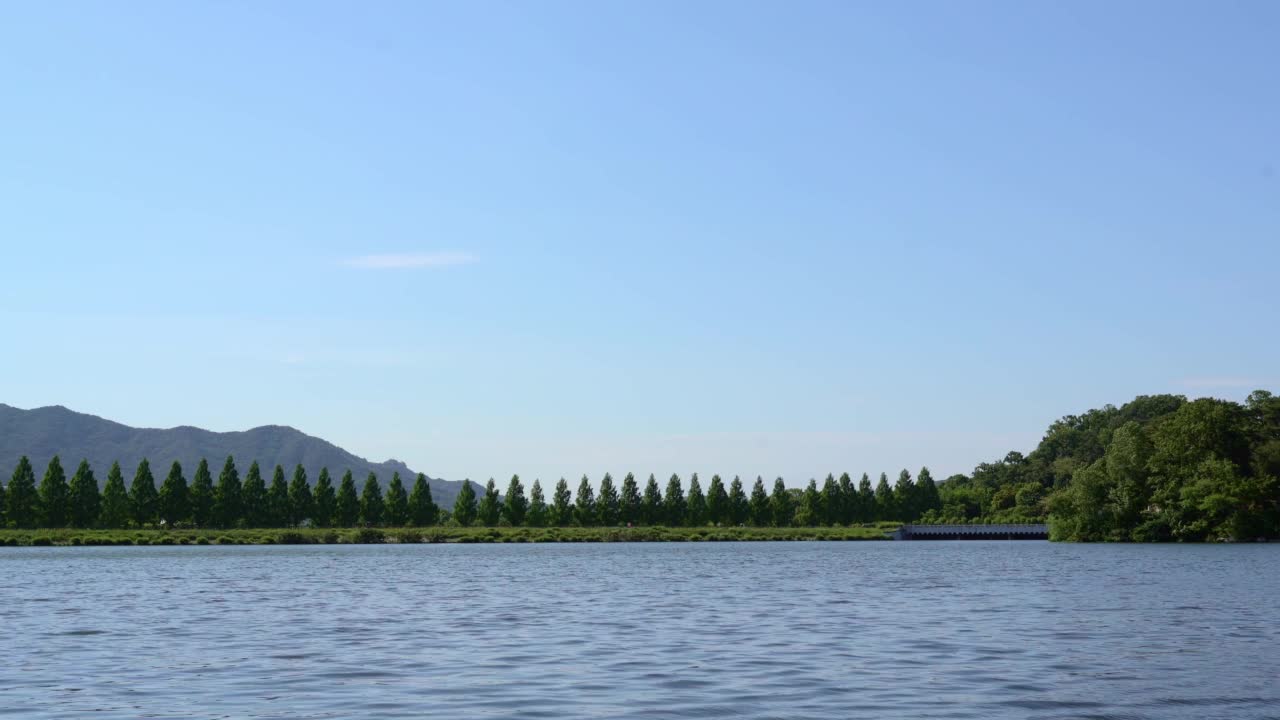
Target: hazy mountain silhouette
column 43, row 432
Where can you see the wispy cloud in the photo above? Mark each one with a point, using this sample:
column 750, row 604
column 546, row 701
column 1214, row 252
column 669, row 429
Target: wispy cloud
column 401, row 261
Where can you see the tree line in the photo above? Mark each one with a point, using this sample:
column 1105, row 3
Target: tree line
column 253, row 503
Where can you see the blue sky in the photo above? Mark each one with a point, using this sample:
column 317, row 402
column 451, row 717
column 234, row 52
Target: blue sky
column 558, row 238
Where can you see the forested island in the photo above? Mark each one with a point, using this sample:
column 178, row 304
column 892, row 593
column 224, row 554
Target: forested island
column 1159, row 468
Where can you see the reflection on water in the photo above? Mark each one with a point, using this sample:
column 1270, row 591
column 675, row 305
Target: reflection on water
column 755, row 630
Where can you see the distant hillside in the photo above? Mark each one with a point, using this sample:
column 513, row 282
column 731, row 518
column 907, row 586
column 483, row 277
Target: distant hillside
column 43, row 432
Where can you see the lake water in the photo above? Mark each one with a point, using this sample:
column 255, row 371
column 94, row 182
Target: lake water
column 734, row 630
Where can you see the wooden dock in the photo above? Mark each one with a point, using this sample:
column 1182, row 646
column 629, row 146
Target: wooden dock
column 972, row 532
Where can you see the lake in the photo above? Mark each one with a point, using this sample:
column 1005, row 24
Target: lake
column 679, row 630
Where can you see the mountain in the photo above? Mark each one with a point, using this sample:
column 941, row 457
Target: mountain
column 43, row 432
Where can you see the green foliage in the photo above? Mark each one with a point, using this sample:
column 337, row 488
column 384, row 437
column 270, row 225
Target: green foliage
column 717, row 502
column 584, row 510
column 631, row 510
column 538, row 515
column 515, row 506
column 253, row 498
column 489, row 511
column 115, row 511
column 347, row 503
column 227, row 496
column 673, row 502
column 53, row 494
column 561, row 505
column 781, row 506
column 848, row 513
column 324, row 502
column 905, row 498
column 84, row 501
column 832, row 501
column 810, row 511
column 202, row 495
column 174, row 502
column 759, row 510
column 609, row 506
column 738, row 507
column 143, row 499
column 464, row 506
column 886, row 503
column 423, row 511
column 301, row 501
column 695, row 509
column 866, row 510
column 372, row 509
column 22, row 506
column 397, row 510
column 651, row 510
column 278, row 511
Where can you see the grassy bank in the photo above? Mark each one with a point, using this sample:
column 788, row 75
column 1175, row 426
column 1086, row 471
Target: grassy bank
column 331, row 536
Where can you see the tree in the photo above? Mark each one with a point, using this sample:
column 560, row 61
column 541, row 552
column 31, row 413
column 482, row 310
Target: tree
column 422, row 508
column 278, row 514
column 629, row 510
column 905, row 495
column 538, row 513
column 174, row 501
column 253, row 498
column 886, row 507
column 325, row 502
column 717, row 501
column 227, row 496
column 848, row 501
column 22, row 506
column 780, row 503
column 810, row 511
column 695, row 513
column 202, row 495
column 464, row 506
column 397, row 502
column 651, row 512
column 832, row 503
column 585, row 504
column 759, row 510
column 53, row 496
column 866, row 500
column 301, row 501
column 673, row 503
column 561, row 505
column 142, row 495
column 85, row 502
column 927, row 498
column 738, row 508
column 372, row 508
column 347, row 503
column 3, row 522
column 608, row 507
column 490, row 509
column 516, row 505
column 115, row 511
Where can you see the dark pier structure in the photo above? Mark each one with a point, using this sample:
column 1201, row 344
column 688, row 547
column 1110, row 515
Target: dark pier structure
column 972, row 532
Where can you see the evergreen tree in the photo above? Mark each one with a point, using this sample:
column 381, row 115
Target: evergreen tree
column 832, row 502
column 174, row 501
column 561, row 505
column 202, row 495
column 651, row 512
column 630, row 511
column 84, row 501
column 278, row 514
column 22, row 507
column 142, row 495
column 783, row 509
column 227, row 508
column 325, row 502
column 347, row 503
column 397, row 502
column 848, row 500
column 116, row 511
column 810, row 511
column 490, row 509
column 608, row 507
column 760, row 511
column 464, row 506
column 886, row 507
column 537, row 515
column 3, row 503
column 53, row 496
column 301, row 501
column 927, row 497
column 695, row 511
column 253, row 498
column 372, row 509
column 717, row 501
column 673, row 502
column 516, row 506
column 585, row 505
column 905, row 495
column 422, row 507
column 739, row 509
column 866, row 500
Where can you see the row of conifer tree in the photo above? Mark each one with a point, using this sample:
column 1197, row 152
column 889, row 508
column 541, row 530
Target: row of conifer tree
column 230, row 502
